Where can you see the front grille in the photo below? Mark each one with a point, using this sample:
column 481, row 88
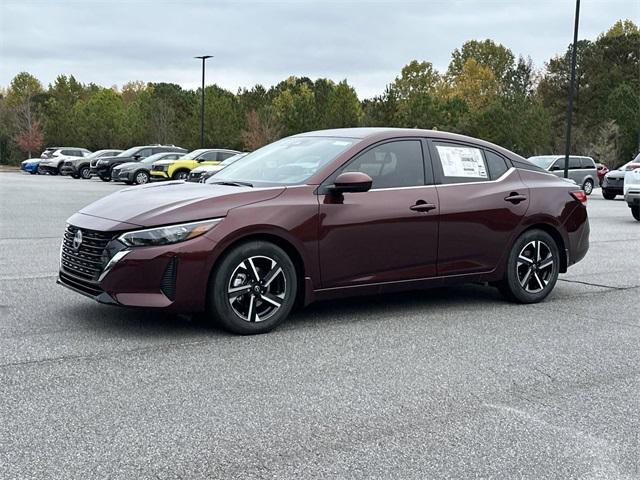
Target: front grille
column 168, row 283
column 84, row 286
column 89, row 259
column 160, row 168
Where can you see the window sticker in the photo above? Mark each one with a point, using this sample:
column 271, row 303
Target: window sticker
column 462, row 162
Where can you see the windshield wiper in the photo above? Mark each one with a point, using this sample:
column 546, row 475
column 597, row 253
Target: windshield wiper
column 234, row 183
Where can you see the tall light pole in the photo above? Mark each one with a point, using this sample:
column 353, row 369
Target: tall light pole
column 203, row 58
column 572, row 83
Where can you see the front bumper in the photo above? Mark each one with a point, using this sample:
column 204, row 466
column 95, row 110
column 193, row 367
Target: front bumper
column 48, row 169
column 172, row 277
column 68, row 170
column 632, row 197
column 122, row 176
column 160, row 175
column 100, row 170
column 194, row 176
column 614, row 186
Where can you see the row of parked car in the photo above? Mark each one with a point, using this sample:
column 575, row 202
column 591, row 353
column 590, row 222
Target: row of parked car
column 137, row 165
column 624, row 180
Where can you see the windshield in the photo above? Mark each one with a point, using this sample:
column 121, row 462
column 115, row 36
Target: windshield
column 628, row 164
column 195, row 154
column 543, row 161
column 290, row 161
column 156, row 157
column 231, row 160
column 129, row 153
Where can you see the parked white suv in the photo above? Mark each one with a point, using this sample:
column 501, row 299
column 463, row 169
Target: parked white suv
column 56, row 156
column 632, row 191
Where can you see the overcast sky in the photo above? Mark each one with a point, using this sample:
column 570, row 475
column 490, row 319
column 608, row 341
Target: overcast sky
column 366, row 42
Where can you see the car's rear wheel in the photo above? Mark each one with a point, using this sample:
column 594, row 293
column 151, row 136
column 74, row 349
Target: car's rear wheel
column 105, row 179
column 85, row 173
column 587, row 186
column 532, row 268
column 180, row 175
column 141, row 177
column 253, row 289
column 608, row 195
column 635, row 211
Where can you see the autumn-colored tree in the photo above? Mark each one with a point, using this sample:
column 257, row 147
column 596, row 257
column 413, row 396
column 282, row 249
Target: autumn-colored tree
column 262, row 128
column 30, row 140
column 21, row 98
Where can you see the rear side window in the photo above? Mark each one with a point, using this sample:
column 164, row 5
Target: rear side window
column 460, row 163
column 587, row 162
column 497, row 165
column 574, row 163
column 392, row 165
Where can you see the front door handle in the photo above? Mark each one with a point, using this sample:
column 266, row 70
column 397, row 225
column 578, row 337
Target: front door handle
column 422, row 206
column 515, row 197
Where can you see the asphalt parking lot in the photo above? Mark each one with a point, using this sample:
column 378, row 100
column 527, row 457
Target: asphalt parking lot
column 448, row 383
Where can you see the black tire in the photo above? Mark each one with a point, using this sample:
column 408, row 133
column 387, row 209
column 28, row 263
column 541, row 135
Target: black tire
column 608, row 195
column 523, row 279
column 235, row 271
column 75, row 175
column 180, row 175
column 635, row 211
column 141, row 177
column 84, row 173
column 128, row 182
column 34, row 172
column 105, row 179
column 587, row 187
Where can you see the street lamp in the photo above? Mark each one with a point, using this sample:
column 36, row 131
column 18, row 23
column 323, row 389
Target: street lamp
column 572, row 82
column 203, row 58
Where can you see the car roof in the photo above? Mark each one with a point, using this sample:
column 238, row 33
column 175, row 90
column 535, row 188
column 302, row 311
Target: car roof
column 382, row 133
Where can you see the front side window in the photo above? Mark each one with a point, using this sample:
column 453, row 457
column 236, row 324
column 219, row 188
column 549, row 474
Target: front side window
column 559, row 165
column 208, row 156
column 391, row 165
column 290, row 161
column 144, row 153
column 462, row 164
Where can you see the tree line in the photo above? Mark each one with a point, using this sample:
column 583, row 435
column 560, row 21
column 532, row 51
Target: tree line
column 486, row 92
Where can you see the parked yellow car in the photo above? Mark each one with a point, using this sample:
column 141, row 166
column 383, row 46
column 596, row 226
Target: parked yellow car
column 179, row 169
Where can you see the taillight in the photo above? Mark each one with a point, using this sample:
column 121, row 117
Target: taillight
column 580, row 196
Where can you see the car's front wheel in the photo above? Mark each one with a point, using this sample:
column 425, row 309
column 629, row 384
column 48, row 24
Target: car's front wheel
column 141, row 177
column 85, row 173
column 532, row 268
column 180, row 175
column 587, row 187
column 635, row 211
column 608, row 195
column 253, row 289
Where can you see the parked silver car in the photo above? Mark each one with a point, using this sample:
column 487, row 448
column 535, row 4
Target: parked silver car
column 582, row 170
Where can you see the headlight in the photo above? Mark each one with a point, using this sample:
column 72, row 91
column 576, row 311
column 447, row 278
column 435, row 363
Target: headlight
column 169, row 234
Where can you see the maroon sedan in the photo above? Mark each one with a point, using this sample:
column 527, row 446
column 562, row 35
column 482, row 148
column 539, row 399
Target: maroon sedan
column 329, row 214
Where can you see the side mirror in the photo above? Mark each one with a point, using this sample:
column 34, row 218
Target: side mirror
column 137, row 156
column 352, row 182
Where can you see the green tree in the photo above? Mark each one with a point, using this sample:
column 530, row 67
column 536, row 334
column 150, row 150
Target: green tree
column 343, row 107
column 102, row 120
column 497, row 58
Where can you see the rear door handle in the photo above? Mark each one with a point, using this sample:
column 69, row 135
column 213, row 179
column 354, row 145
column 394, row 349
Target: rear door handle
column 515, row 197
column 422, row 206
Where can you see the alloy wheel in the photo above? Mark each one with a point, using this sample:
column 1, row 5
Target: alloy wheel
column 535, row 266
column 257, row 288
column 85, row 173
column 142, row 178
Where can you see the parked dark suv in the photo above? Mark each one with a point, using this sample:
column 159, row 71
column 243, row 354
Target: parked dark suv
column 102, row 166
column 329, row 214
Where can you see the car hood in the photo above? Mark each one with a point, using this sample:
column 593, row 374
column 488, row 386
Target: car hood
column 31, row 160
column 207, row 168
column 129, row 166
column 615, row 174
column 174, row 202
